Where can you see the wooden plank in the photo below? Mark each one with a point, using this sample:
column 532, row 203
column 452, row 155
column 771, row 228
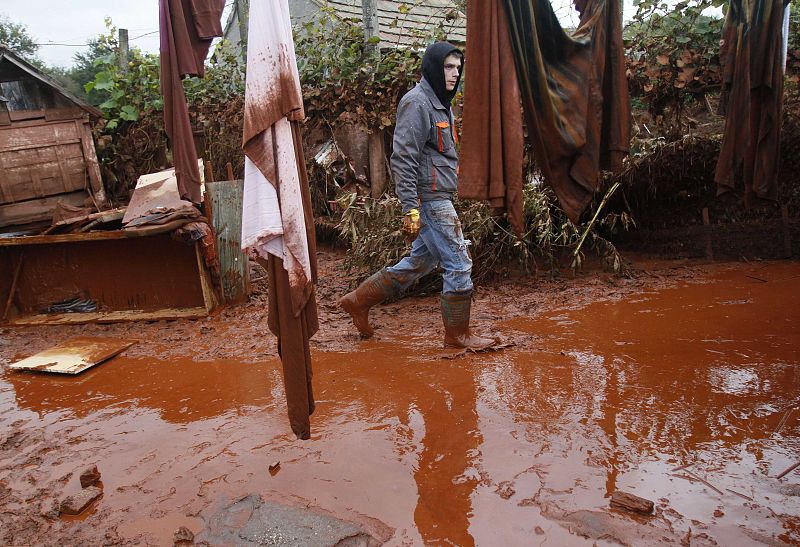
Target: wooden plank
column 225, row 199
column 36, row 183
column 92, row 166
column 210, row 298
column 37, row 132
column 61, row 113
column 119, row 316
column 5, row 193
column 631, row 502
column 34, row 155
column 35, row 145
column 90, row 236
column 37, row 123
column 19, row 115
column 13, row 289
column 73, row 356
column 36, row 210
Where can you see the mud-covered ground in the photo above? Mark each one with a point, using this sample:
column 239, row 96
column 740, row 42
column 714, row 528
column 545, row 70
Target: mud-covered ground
column 679, row 384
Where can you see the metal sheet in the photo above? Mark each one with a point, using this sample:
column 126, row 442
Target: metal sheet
column 73, row 356
column 225, row 200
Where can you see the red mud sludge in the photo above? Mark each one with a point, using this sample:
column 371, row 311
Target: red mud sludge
column 684, row 392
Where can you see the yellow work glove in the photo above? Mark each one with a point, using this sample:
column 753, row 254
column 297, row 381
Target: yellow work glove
column 411, row 224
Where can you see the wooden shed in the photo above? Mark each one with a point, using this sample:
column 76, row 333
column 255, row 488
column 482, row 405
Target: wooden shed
column 47, row 153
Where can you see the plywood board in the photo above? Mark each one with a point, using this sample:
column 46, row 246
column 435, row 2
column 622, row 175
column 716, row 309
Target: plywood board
column 73, row 356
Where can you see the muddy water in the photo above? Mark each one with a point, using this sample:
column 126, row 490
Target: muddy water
column 516, row 448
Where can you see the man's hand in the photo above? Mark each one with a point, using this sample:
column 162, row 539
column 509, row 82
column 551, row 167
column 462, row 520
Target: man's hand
column 411, row 224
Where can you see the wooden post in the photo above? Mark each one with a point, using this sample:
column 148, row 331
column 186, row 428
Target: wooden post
column 229, row 170
column 242, row 16
column 377, row 150
column 377, row 164
column 209, row 172
column 225, row 199
column 123, row 50
column 707, row 235
column 787, row 232
column 369, row 9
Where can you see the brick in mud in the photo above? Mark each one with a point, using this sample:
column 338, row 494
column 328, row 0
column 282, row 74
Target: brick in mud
column 630, row 502
column 77, row 503
column 90, row 476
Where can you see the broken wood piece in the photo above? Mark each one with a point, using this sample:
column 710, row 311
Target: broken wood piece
column 209, row 171
column 13, row 288
column 77, row 503
column 748, row 498
column 274, row 467
column 792, row 468
column 631, row 502
column 783, row 421
column 90, row 476
column 704, row 481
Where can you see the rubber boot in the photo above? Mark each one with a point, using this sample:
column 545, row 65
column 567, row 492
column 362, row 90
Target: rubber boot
column 455, row 316
column 373, row 290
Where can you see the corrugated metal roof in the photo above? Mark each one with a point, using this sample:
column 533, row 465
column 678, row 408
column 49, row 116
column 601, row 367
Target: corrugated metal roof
column 420, row 21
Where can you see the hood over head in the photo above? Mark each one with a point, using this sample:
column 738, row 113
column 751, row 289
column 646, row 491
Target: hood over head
column 433, row 69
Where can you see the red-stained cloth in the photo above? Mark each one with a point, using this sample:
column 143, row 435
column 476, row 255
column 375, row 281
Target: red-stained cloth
column 493, row 140
column 277, row 221
column 574, row 96
column 187, row 28
column 752, row 58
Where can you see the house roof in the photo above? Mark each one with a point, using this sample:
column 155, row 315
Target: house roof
column 397, row 28
column 6, row 55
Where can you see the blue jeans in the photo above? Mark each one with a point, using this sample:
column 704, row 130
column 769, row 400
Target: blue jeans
column 440, row 242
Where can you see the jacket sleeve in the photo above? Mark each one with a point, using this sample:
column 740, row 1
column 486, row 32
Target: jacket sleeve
column 410, row 135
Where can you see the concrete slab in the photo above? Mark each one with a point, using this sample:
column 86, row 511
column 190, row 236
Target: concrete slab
column 252, row 521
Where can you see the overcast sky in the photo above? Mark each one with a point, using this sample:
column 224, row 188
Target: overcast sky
column 77, row 21
column 74, row 22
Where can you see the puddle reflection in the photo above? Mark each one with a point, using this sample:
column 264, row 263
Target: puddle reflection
column 181, row 391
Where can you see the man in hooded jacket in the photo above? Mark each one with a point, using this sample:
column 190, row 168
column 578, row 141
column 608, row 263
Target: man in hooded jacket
column 424, row 164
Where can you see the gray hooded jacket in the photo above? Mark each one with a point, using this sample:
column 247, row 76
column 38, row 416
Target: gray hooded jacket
column 424, row 158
